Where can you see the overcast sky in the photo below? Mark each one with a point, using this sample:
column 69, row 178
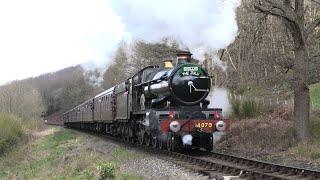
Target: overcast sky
column 39, row 36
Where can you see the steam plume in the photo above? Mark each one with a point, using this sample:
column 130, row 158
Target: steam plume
column 218, row 98
column 199, row 24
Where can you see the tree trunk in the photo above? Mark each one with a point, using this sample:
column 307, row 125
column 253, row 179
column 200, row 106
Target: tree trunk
column 301, row 94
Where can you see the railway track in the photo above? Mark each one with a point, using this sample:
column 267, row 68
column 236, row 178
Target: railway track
column 218, row 165
column 265, row 169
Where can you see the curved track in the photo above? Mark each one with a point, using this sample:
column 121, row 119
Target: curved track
column 217, row 165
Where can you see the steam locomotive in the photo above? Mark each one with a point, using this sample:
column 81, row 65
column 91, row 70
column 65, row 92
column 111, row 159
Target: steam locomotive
column 161, row 106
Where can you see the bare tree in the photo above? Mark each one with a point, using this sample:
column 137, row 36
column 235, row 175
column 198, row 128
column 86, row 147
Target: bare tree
column 118, row 71
column 292, row 15
column 20, row 99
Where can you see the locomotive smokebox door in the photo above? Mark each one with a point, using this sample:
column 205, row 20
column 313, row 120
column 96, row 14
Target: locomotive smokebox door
column 189, row 84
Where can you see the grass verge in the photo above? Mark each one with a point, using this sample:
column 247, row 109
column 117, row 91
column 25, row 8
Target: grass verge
column 65, row 154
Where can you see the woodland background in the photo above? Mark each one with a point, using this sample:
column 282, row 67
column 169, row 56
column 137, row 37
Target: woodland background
column 258, row 74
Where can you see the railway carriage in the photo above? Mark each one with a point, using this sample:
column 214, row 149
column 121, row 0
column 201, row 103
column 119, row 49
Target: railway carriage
column 164, row 106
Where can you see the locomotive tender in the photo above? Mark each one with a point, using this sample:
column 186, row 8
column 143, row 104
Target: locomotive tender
column 164, row 106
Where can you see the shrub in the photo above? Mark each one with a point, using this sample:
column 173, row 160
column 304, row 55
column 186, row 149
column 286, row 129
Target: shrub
column 10, row 131
column 249, row 109
column 245, row 108
column 33, row 124
column 106, row 170
column 236, row 108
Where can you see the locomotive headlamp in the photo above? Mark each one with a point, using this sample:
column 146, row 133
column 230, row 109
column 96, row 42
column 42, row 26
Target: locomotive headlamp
column 171, row 114
column 175, row 126
column 221, row 126
column 187, row 139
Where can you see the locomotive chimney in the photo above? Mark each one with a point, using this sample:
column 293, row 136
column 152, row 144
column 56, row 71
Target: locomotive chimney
column 183, row 57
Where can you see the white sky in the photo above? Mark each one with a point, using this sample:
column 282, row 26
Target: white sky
column 39, row 36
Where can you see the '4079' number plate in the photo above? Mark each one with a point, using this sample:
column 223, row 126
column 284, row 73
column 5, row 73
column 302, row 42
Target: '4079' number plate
column 204, row 125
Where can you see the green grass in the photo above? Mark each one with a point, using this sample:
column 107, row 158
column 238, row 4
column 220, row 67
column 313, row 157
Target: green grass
column 63, row 154
column 309, row 151
column 315, row 95
column 243, row 109
column 126, row 176
column 10, row 132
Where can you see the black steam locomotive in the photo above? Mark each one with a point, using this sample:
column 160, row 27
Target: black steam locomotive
column 161, row 106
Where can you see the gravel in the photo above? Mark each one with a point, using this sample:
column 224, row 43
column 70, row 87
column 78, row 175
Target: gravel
column 148, row 166
column 154, row 168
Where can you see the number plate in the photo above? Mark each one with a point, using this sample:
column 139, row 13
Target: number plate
column 204, row 125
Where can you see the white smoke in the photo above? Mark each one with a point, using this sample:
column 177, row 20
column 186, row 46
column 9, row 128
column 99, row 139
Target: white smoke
column 217, row 62
column 200, row 24
column 219, row 98
column 93, row 73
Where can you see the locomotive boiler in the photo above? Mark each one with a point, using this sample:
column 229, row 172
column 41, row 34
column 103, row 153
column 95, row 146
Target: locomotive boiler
column 162, row 106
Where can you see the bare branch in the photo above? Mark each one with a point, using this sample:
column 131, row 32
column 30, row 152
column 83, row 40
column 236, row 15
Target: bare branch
column 315, row 1
column 276, row 8
column 313, row 25
column 299, row 8
column 230, row 59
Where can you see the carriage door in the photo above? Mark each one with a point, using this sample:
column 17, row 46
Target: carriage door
column 122, row 101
